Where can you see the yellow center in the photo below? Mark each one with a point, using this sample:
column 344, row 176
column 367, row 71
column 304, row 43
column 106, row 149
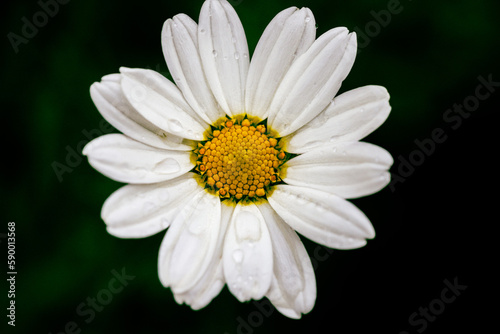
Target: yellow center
column 240, row 160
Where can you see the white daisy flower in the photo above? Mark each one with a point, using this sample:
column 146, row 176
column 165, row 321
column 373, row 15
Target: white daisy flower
column 238, row 156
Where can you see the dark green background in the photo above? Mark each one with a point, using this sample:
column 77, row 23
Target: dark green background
column 436, row 225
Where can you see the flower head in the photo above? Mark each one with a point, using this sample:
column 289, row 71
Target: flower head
column 236, row 155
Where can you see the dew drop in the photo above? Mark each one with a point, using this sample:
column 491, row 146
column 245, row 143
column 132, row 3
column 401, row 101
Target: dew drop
column 175, row 125
column 198, row 226
column 214, row 53
column 238, row 256
column 245, row 55
column 247, row 226
column 236, row 55
column 308, row 19
column 167, row 166
column 202, row 31
column 301, row 200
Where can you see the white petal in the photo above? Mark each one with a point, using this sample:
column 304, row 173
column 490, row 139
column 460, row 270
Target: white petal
column 312, row 81
column 350, row 117
column 207, row 288
column 141, row 210
column 224, row 54
column 180, row 46
column 347, row 169
column 212, row 281
column 294, row 282
column 191, row 242
column 160, row 102
column 248, row 255
column 322, row 217
column 114, row 107
column 275, row 295
column 126, row 160
column 286, row 37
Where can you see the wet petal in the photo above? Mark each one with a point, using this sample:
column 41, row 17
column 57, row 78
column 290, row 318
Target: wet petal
column 322, row 217
column 126, row 160
column 248, row 255
column 224, row 54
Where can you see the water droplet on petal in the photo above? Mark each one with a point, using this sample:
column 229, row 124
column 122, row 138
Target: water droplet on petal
column 214, row 53
column 202, row 31
column 308, row 19
column 175, row 125
column 198, row 226
column 238, row 256
column 247, row 226
column 167, row 166
column 301, row 200
column 236, row 55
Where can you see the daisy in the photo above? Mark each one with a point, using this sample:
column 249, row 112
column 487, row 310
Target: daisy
column 238, row 156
